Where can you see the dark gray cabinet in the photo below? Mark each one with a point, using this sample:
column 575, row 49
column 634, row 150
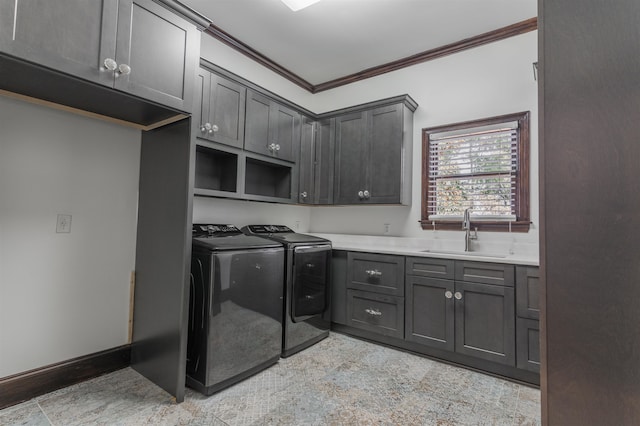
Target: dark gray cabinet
column 316, row 161
column 135, row 46
column 528, row 314
column 485, row 322
column 373, row 156
column 466, row 307
column 271, row 129
column 220, row 110
column 375, row 293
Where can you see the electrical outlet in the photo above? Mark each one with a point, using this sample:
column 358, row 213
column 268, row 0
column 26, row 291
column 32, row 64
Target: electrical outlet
column 387, row 228
column 63, row 225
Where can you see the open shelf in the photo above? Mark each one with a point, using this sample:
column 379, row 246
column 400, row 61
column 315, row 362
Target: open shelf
column 267, row 179
column 216, row 170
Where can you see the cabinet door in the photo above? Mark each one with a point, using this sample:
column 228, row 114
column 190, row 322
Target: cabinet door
column 485, row 322
column 226, row 111
column 162, row 52
column 384, row 169
column 306, row 162
column 70, row 36
column 528, row 344
column 350, row 158
column 258, row 117
column 527, row 292
column 285, row 132
column 324, row 161
column 430, row 312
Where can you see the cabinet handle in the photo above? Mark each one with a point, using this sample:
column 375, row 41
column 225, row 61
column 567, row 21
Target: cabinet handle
column 214, row 128
column 310, row 265
column 206, row 127
column 277, row 147
column 458, row 295
column 110, row 64
column 448, row 294
column 272, row 147
column 124, row 69
column 366, row 195
column 360, row 194
column 373, row 273
column 304, row 194
column 373, row 312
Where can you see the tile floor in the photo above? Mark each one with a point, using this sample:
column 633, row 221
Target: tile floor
column 339, row 381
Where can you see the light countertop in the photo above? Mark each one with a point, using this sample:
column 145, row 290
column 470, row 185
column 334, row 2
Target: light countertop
column 511, row 253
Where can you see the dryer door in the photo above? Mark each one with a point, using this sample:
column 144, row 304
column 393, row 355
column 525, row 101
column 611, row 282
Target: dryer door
column 311, row 280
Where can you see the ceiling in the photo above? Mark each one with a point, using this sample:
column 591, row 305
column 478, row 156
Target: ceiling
column 336, row 38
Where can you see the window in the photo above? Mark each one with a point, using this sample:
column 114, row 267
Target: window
column 482, row 166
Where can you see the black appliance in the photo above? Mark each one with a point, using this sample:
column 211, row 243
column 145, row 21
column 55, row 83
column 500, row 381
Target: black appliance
column 235, row 310
column 307, row 313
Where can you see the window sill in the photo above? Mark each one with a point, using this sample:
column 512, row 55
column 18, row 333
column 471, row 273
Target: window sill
column 491, row 226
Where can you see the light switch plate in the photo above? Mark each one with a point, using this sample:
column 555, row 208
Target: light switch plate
column 63, row 225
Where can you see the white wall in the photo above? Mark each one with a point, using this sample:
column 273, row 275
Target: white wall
column 483, row 82
column 64, row 295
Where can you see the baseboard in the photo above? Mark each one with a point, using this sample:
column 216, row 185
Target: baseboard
column 24, row 386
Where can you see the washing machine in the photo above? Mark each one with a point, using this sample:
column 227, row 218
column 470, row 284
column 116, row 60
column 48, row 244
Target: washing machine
column 236, row 306
column 307, row 313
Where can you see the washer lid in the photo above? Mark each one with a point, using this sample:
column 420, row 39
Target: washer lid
column 282, row 234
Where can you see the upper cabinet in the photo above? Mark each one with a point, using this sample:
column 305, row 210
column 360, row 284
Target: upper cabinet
column 373, row 155
column 135, row 46
column 316, row 161
column 220, row 112
column 271, row 129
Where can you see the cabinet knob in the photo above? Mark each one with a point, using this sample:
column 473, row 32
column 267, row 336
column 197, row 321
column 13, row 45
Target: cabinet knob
column 373, row 312
column 304, row 194
column 214, row 128
column 272, row 147
column 448, row 294
column 206, row 127
column 277, row 147
column 458, row 295
column 373, row 273
column 124, row 69
column 110, row 64
column 361, row 194
column 366, row 195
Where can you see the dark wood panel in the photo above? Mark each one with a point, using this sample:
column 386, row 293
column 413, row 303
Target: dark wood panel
column 349, row 159
column 588, row 86
column 306, row 162
column 163, row 256
column 384, row 171
column 324, row 161
column 24, row 386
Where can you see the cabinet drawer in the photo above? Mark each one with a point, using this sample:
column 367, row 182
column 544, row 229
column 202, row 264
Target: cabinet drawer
column 486, row 273
column 426, row 267
column 527, row 289
column 528, row 344
column 377, row 273
column 376, row 312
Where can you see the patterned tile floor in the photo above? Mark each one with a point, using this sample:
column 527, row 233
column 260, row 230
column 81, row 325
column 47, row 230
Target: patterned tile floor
column 339, row 381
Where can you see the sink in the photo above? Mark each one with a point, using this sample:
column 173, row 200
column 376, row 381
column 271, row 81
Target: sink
column 465, row 253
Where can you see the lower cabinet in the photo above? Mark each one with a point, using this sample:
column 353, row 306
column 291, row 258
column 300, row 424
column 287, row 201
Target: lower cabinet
column 376, row 312
column 528, row 345
column 458, row 310
column 469, row 318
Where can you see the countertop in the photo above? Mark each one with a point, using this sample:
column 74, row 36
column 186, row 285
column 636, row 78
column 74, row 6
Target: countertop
column 498, row 252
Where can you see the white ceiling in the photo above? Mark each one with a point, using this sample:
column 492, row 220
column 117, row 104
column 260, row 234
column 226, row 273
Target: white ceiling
column 335, row 38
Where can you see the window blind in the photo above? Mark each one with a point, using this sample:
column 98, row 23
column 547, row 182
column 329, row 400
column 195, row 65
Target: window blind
column 473, row 168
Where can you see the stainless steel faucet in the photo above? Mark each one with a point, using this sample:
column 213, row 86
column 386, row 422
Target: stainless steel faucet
column 466, row 226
